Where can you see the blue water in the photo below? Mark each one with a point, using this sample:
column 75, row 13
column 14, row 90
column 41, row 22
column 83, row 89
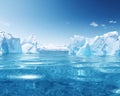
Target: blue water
column 55, row 73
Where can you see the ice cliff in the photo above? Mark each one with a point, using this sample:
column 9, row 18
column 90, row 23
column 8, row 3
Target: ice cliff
column 10, row 44
column 105, row 45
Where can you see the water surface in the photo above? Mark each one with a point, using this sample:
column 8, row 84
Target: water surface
column 55, row 73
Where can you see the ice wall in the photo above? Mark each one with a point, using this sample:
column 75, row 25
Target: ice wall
column 105, row 45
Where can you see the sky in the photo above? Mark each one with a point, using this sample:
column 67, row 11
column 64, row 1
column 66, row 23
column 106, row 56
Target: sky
column 55, row 21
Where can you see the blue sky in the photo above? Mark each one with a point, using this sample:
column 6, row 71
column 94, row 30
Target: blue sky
column 55, row 21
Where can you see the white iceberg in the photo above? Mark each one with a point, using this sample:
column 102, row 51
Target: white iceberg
column 29, row 45
column 105, row 45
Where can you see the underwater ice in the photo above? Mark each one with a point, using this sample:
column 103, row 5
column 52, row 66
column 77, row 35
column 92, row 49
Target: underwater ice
column 10, row 44
column 105, row 45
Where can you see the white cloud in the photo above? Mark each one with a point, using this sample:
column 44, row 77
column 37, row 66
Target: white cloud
column 112, row 22
column 103, row 25
column 94, row 24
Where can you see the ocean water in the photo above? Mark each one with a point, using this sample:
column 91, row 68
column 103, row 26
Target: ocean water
column 55, row 73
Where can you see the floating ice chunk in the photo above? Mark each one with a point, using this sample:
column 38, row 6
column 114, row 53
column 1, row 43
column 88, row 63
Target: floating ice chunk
column 29, row 45
column 9, row 44
column 104, row 45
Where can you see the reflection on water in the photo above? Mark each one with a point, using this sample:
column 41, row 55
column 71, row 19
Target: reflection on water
column 30, row 77
column 52, row 73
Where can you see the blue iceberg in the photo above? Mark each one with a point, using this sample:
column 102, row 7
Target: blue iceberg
column 10, row 44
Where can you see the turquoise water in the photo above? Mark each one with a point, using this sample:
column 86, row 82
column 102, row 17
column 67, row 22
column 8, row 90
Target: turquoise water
column 55, row 73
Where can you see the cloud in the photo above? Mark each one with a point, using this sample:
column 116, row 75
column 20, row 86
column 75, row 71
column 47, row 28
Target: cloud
column 103, row 25
column 94, row 24
column 112, row 22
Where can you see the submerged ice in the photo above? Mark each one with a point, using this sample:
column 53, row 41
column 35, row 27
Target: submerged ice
column 105, row 45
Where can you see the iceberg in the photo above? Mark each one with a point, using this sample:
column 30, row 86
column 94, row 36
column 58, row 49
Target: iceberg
column 9, row 44
column 29, row 45
column 107, row 44
column 77, row 42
